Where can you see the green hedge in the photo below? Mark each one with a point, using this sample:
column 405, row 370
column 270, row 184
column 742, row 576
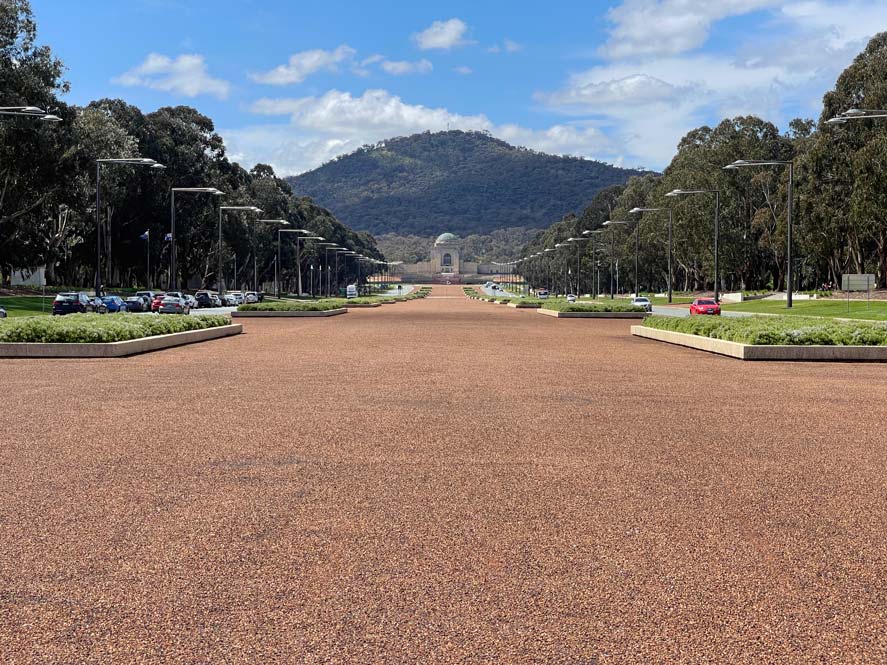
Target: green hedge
column 615, row 306
column 297, row 306
column 92, row 328
column 773, row 330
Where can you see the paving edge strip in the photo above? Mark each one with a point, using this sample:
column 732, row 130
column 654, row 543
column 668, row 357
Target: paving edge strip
column 115, row 349
column 765, row 352
column 593, row 315
column 262, row 315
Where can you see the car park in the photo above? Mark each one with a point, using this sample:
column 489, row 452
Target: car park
column 705, row 306
column 640, row 301
column 73, row 303
column 114, row 304
column 174, row 305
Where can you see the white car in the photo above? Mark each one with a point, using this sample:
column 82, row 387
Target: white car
column 351, row 291
column 192, row 301
column 251, row 297
column 228, row 300
column 542, row 293
column 571, row 297
column 642, row 302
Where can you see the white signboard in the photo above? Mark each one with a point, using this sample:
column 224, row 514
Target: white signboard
column 861, row 282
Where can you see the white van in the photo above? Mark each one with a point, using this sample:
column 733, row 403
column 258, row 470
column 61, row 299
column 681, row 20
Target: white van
column 351, row 291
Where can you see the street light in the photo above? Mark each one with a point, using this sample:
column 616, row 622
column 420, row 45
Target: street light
column 282, row 222
column 637, row 245
column 595, row 289
column 856, row 114
column 123, row 161
column 789, row 272
column 29, row 112
column 173, row 282
column 717, row 193
column 222, row 211
column 635, row 211
column 578, row 264
column 279, row 267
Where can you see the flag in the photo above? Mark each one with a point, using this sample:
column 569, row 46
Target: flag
column 167, row 237
column 145, row 235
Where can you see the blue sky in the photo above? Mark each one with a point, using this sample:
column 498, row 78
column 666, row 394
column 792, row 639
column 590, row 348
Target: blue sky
column 294, row 84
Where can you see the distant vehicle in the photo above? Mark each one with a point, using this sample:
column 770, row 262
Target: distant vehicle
column 115, row 304
column 156, row 301
column 138, row 303
column 2, row 313
column 488, row 284
column 228, row 300
column 542, row 293
column 238, row 296
column 192, row 302
column 642, row 302
column 217, row 301
column 73, row 303
column 351, row 291
column 173, row 305
column 148, row 294
column 571, row 297
column 251, row 297
column 706, row 306
column 204, row 299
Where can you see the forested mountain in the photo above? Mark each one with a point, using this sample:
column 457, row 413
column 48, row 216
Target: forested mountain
column 463, row 182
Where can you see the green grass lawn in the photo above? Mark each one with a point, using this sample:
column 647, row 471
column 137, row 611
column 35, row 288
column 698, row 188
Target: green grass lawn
column 26, row 305
column 876, row 310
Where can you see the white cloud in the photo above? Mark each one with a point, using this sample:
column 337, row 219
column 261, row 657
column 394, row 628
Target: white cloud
column 337, row 122
column 402, row 67
column 464, row 70
column 668, row 27
column 305, row 63
column 186, row 75
column 443, row 35
column 508, row 46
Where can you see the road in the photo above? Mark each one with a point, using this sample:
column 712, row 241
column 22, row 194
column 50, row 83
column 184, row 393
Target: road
column 442, row 481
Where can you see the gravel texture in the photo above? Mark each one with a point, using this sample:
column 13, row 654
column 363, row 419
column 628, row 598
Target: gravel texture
column 439, row 482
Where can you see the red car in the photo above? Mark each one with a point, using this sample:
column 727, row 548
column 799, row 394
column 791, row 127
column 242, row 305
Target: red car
column 157, row 301
column 705, row 306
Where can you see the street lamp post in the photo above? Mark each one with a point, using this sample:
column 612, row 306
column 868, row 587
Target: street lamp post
column 124, row 161
column 282, row 222
column 578, row 263
column 222, row 211
column 789, row 272
column 279, row 265
column 717, row 193
column 637, row 245
column 670, row 244
column 595, row 288
column 173, row 281
column 29, row 112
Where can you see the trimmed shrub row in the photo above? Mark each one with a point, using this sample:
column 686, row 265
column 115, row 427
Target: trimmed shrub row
column 564, row 306
column 293, row 305
column 101, row 328
column 777, row 330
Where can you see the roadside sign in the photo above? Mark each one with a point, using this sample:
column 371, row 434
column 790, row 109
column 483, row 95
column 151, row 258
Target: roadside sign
column 857, row 282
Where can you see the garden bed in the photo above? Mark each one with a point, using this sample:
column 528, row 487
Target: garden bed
column 772, row 338
column 106, row 336
column 592, row 310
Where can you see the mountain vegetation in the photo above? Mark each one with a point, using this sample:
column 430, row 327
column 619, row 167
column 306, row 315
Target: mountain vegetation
column 839, row 193
column 462, row 182
column 48, row 185
column 498, row 245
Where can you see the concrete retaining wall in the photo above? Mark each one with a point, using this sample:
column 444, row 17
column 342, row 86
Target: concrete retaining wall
column 593, row 315
column 260, row 315
column 115, row 349
column 762, row 352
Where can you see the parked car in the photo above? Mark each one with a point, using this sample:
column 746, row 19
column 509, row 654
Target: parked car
column 73, row 303
column 238, row 297
column 640, row 301
column 251, row 297
column 2, row 313
column 204, row 299
column 542, row 293
column 229, row 301
column 192, row 301
column 173, row 305
column 115, row 304
column 571, row 297
column 147, row 294
column 156, row 301
column 351, row 291
column 707, row 306
column 138, row 303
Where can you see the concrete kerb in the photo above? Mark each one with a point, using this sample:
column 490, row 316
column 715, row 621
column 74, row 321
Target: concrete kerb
column 593, row 315
column 260, row 315
column 115, row 349
column 765, row 352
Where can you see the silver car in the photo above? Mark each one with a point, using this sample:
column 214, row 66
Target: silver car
column 173, row 305
column 642, row 302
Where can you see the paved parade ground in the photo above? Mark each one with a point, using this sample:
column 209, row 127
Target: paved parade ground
column 442, row 480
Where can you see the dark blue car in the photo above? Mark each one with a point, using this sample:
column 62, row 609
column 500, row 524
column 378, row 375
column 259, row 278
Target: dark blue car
column 114, row 304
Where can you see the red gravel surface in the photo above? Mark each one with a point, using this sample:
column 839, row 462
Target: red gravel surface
column 442, row 481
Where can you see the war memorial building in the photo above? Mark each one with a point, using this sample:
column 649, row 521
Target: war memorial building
column 446, row 264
